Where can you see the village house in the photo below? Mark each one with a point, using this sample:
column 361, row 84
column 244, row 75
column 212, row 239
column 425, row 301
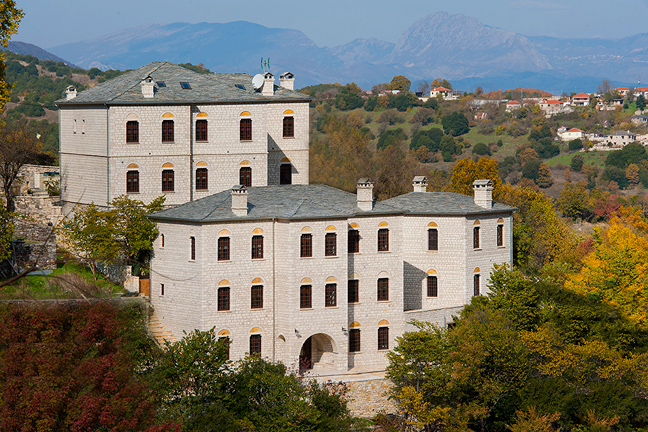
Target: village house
column 580, row 99
column 513, row 105
column 551, row 107
column 622, row 138
column 571, row 134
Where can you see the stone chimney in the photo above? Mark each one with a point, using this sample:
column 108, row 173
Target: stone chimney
column 419, row 184
column 70, row 93
column 287, row 80
column 147, row 87
column 239, row 200
column 365, row 194
column 268, row 84
column 483, row 193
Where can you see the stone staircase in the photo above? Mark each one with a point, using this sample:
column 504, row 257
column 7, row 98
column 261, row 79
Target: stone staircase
column 157, row 329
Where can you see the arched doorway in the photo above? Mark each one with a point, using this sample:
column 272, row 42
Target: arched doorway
column 318, row 352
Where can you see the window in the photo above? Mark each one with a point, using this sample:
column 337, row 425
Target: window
column 257, row 246
column 383, row 289
column 223, row 299
column 288, row 127
column 255, row 345
column 193, row 248
column 245, row 177
column 132, row 181
column 246, row 129
column 161, row 289
column 330, row 295
column 433, row 239
column 256, row 301
column 132, row 131
column 383, row 338
column 223, row 249
column 476, row 237
column 383, row 240
column 476, row 285
column 162, row 239
column 167, row 181
column 285, row 174
column 201, row 130
column 224, row 340
column 354, row 340
column 167, row 131
column 432, row 286
column 306, row 246
column 500, row 235
column 306, row 296
column 160, row 83
column 185, row 85
column 354, row 241
column 330, row 241
column 201, row 179
column 354, row 291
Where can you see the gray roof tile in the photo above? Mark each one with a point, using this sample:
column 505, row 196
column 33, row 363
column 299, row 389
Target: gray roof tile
column 319, row 201
column 205, row 88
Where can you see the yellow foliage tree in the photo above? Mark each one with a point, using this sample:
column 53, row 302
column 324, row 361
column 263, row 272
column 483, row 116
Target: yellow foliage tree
column 466, row 171
column 10, row 17
column 617, row 270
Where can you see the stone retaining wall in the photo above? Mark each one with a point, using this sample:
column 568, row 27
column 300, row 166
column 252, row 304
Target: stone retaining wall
column 370, row 397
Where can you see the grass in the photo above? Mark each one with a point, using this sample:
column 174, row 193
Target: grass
column 596, row 158
column 68, row 281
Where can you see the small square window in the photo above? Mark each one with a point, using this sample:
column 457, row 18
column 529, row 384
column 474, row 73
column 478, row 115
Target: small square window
column 160, row 83
column 185, row 85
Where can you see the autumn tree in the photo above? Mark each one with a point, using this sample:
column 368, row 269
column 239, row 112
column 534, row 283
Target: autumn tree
column 466, row 171
column 6, row 232
column 441, row 82
column 544, row 179
column 10, row 17
column 576, row 162
column 400, row 82
column 423, row 87
column 17, row 148
column 574, row 202
column 632, row 174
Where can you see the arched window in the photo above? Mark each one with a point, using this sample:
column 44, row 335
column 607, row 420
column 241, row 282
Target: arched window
column 132, row 131
column 255, row 344
column 383, row 289
column 256, row 297
column 223, row 249
column 223, row 302
column 257, row 246
column 353, row 291
column 201, row 130
column 285, row 173
column 383, row 240
column 383, row 338
column 201, row 179
column 433, row 237
column 330, row 293
column 500, row 232
column 132, row 181
column 354, row 340
column 245, row 176
column 246, row 129
column 432, row 285
column 168, row 180
column 476, row 235
column 476, row 282
column 330, row 244
column 306, row 245
column 306, row 296
column 192, row 247
column 168, row 131
column 288, row 127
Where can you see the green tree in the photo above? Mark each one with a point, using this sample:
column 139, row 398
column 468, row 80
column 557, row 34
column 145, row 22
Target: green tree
column 349, row 98
column 640, row 102
column 6, row 232
column 455, row 124
column 17, row 148
column 10, row 17
column 399, row 82
column 124, row 233
column 389, row 137
column 481, row 149
column 577, row 162
column 430, row 138
column 575, row 144
column 574, row 202
column 531, row 169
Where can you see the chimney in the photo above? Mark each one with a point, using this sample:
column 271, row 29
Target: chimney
column 287, row 80
column 147, row 87
column 70, row 93
column 239, row 200
column 483, row 193
column 419, row 184
column 268, row 84
column 365, row 194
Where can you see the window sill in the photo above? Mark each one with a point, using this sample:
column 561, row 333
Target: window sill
column 331, row 307
column 245, row 140
column 224, row 261
column 383, row 252
column 256, row 309
column 477, row 249
column 501, row 247
column 331, row 257
column 355, row 352
column 433, row 250
column 383, row 301
column 132, row 142
column 306, row 309
column 203, row 141
column 167, row 192
column 306, row 257
column 257, row 259
column 289, row 137
column 168, row 142
column 383, row 349
column 354, row 303
column 132, row 193
column 224, row 311
column 202, row 190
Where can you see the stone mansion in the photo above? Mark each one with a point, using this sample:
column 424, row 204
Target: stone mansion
column 299, row 273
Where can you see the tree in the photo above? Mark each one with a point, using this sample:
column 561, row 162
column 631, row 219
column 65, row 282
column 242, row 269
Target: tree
column 574, row 202
column 349, row 98
column 399, row 82
column 544, row 179
column 575, row 144
column 606, row 86
column 123, row 233
column 6, row 232
column 10, row 17
column 466, row 171
column 632, row 174
column 440, row 82
column 423, row 87
column 455, row 124
column 430, row 138
column 391, row 137
column 17, row 148
column 640, row 102
column 531, row 169
column 577, row 162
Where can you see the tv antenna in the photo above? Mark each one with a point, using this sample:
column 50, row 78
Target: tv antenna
column 265, row 64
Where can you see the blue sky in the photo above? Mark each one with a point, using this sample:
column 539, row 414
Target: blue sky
column 48, row 23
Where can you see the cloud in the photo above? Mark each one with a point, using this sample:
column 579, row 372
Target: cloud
column 539, row 5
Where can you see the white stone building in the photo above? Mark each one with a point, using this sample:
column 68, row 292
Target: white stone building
column 163, row 129
column 319, row 276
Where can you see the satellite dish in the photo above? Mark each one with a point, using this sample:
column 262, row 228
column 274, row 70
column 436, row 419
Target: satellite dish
column 257, row 81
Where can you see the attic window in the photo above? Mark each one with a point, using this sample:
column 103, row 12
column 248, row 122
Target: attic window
column 185, row 85
column 239, row 86
column 160, row 83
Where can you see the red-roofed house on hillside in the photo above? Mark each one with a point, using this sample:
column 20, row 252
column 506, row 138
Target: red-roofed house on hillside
column 513, row 105
column 571, row 134
column 444, row 92
column 641, row 91
column 551, row 106
column 623, row 91
column 581, row 99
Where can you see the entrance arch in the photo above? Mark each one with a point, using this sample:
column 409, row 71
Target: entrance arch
column 318, row 352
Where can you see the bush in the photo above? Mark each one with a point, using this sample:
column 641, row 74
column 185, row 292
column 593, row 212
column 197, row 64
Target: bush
column 575, row 144
column 481, row 149
column 430, row 138
column 455, row 124
column 391, row 137
column 577, row 162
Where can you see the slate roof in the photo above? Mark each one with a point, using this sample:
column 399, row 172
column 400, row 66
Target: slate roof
column 318, row 201
column 205, row 88
column 442, row 203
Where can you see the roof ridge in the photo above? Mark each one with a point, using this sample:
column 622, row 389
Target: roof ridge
column 130, row 87
column 301, row 203
column 216, row 206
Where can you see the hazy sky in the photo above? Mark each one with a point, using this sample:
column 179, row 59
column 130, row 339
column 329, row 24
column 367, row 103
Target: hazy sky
column 48, row 23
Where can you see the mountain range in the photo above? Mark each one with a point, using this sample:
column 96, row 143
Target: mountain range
column 456, row 47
